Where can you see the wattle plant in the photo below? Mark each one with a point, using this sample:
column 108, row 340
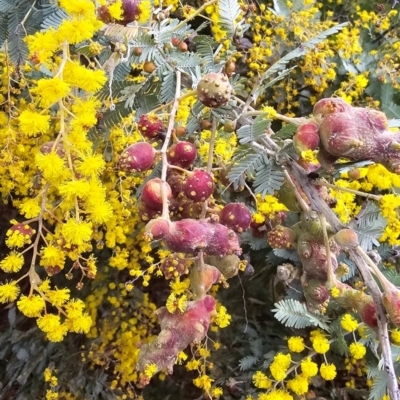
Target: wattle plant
column 199, row 210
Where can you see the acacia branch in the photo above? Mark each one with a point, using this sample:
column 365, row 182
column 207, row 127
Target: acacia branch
column 163, row 151
column 356, row 255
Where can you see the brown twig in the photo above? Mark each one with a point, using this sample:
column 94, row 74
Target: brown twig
column 163, row 151
column 319, row 205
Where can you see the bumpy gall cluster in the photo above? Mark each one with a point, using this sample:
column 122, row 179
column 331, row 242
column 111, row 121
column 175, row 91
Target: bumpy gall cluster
column 150, row 125
column 282, row 237
column 175, row 265
column 214, row 90
column 191, row 236
column 356, row 133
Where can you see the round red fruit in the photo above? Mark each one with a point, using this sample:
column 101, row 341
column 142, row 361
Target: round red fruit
column 236, row 216
column 137, row 157
column 199, row 185
column 152, row 193
column 182, row 154
column 306, row 137
column 183, row 47
column 175, row 41
column 150, row 125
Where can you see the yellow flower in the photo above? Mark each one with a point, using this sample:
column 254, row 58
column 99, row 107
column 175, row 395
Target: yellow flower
column 78, row 7
column 86, row 79
column 309, row 368
column 217, row 392
column 298, row 385
column 52, row 167
column 175, row 303
column 48, row 322
column 275, row 394
column 335, row 292
column 395, row 335
column 47, row 374
column 31, row 306
column 81, row 323
column 357, row 350
column 50, row 395
column 50, row 91
column 321, row 345
column 91, row 165
column 12, row 263
column 348, row 323
column 52, row 256
column 8, row 292
column 203, row 382
column 115, row 10
column 261, row 381
column 19, row 236
column 296, row 344
column 76, row 232
column 280, row 365
column 100, row 211
column 222, row 319
column 150, row 370
column 145, row 8
column 29, row 208
column 77, row 30
column 58, row 297
column 57, row 334
column 42, row 45
column 74, row 308
column 31, row 123
column 328, row 371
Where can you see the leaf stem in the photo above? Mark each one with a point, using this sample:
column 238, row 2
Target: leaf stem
column 348, row 190
column 190, row 17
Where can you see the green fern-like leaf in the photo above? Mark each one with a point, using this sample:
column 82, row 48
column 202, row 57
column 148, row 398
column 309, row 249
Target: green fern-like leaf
column 168, row 87
column 294, row 314
column 255, row 243
column 303, row 49
column 54, row 19
column 286, row 132
column 245, row 166
column 283, row 74
column 229, row 11
column 268, row 179
column 379, row 386
column 247, row 362
column 369, row 225
column 17, row 48
column 6, row 5
column 148, row 46
column 286, row 254
column 250, row 133
column 204, row 49
column 113, row 117
column 256, row 347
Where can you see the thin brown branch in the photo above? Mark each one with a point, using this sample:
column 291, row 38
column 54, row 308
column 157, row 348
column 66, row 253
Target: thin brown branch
column 320, row 206
column 163, row 151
